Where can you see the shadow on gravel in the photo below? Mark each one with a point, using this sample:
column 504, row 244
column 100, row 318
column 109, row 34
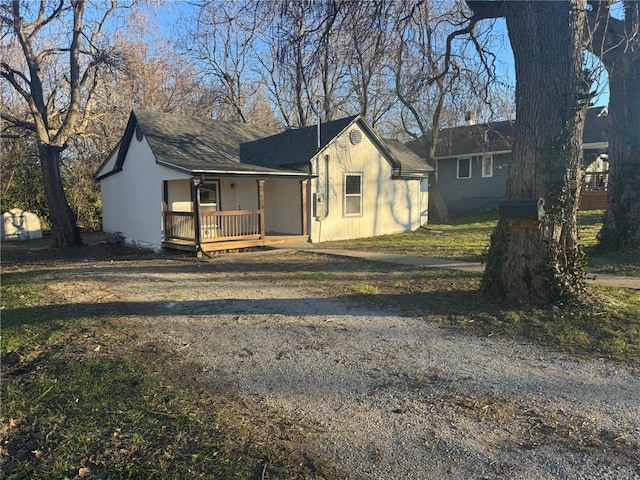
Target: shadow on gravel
column 448, row 303
column 329, row 274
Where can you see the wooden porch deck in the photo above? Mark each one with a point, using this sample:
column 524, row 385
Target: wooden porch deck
column 269, row 239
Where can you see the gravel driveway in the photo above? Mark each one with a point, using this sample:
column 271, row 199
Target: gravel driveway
column 393, row 397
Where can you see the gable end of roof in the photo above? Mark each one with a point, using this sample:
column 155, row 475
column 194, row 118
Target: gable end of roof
column 122, row 146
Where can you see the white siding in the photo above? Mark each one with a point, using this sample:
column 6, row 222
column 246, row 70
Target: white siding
column 132, row 198
column 281, row 198
column 388, row 206
column 283, row 206
column 424, row 201
column 179, row 195
column 238, row 194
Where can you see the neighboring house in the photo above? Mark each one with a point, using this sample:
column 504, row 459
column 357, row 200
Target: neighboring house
column 472, row 163
column 208, row 185
column 20, row 225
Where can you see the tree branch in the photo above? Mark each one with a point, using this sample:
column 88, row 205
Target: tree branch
column 16, row 122
column 482, row 10
column 608, row 37
column 41, row 21
column 68, row 124
column 10, row 75
column 604, row 33
column 401, row 96
column 35, row 96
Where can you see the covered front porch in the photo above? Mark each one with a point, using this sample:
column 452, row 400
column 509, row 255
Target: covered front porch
column 205, row 223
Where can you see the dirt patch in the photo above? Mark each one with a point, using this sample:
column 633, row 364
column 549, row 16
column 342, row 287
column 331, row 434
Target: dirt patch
column 380, row 395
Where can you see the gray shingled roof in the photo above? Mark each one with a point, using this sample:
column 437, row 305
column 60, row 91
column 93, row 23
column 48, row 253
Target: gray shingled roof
column 200, row 146
column 486, row 137
column 294, row 146
column 299, row 146
column 596, row 126
column 409, row 161
column 498, row 136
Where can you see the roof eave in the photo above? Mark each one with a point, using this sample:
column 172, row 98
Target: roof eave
column 323, row 149
column 97, row 177
column 234, row 173
column 595, row 146
column 122, row 146
column 243, row 173
column 380, row 143
column 467, row 154
column 585, row 146
column 108, row 174
column 411, row 175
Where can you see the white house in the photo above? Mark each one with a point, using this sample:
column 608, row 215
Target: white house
column 205, row 185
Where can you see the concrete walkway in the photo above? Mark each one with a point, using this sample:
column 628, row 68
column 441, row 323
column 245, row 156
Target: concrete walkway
column 597, row 278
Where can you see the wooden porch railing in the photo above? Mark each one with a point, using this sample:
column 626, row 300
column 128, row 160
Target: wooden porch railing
column 594, row 191
column 596, row 180
column 229, row 225
column 214, row 226
column 179, row 226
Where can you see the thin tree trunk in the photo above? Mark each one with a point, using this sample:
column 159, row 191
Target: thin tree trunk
column 61, row 218
column 543, row 264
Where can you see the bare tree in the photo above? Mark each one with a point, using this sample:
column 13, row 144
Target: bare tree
column 154, row 75
column 62, row 53
column 292, row 31
column 617, row 43
column 277, row 84
column 300, row 65
column 221, row 43
column 330, row 57
column 369, row 42
column 441, row 68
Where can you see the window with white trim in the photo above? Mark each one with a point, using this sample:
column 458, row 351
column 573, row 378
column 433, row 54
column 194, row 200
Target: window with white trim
column 352, row 194
column 464, row 168
column 487, row 166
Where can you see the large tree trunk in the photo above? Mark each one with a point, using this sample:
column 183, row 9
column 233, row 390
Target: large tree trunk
column 54, row 117
column 63, row 222
column 621, row 228
column 544, row 264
